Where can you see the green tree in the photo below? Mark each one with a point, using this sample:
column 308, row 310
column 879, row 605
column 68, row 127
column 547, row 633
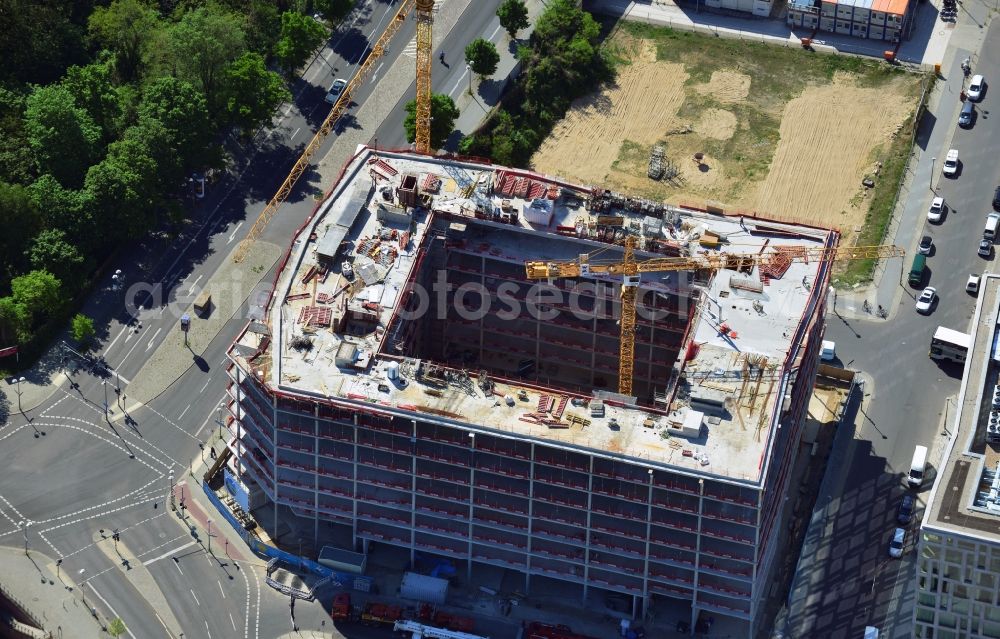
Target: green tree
column 443, row 115
column 513, row 16
column 37, row 292
column 252, row 92
column 124, row 189
column 82, row 330
column 15, row 321
column 335, row 10
column 183, row 110
column 159, row 144
column 93, row 90
column 17, row 162
column 263, row 24
column 300, row 36
column 201, row 45
column 62, row 135
column 66, row 209
column 117, row 627
column 127, row 28
column 482, row 56
column 50, row 251
column 20, row 220
column 38, row 40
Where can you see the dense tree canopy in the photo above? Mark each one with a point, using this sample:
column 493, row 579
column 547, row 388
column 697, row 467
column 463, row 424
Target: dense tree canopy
column 253, row 92
column 443, row 115
column 106, row 108
column 63, row 136
column 300, row 36
column 482, row 56
column 127, row 28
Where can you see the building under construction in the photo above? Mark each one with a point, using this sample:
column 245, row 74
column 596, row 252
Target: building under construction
column 408, row 382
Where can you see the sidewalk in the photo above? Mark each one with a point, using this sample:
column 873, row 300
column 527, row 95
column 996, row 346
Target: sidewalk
column 475, row 107
column 53, row 600
column 926, row 46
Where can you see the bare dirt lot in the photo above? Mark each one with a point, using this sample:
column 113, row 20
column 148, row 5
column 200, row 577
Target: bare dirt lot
column 785, row 133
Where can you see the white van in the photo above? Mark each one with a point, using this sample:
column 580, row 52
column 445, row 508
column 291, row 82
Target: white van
column 992, row 220
column 828, row 352
column 917, row 467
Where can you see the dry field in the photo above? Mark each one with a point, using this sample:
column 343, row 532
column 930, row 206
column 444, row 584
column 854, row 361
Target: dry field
column 783, row 132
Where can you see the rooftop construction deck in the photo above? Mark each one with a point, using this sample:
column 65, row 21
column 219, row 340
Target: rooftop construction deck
column 407, row 289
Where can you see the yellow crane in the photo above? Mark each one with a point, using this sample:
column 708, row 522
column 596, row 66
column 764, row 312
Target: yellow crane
column 629, row 269
column 425, row 18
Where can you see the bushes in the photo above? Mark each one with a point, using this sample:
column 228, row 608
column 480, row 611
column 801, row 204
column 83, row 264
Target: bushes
column 562, row 62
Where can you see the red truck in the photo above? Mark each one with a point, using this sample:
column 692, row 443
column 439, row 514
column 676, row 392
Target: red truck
column 340, row 610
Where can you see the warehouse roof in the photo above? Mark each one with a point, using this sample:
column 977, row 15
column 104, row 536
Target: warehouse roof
column 334, row 318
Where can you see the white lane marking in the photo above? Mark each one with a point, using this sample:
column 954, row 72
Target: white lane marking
column 195, row 282
column 152, row 339
column 169, row 553
column 458, row 82
column 177, row 565
column 375, row 74
column 209, row 632
column 294, row 134
column 220, row 588
column 124, row 330
column 161, row 622
column 495, row 31
column 108, row 606
column 232, row 235
column 191, row 590
column 183, row 412
column 206, row 385
column 233, row 621
column 202, row 427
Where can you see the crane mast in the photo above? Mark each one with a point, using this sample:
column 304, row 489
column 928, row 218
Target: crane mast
column 424, row 15
column 629, row 269
column 425, row 20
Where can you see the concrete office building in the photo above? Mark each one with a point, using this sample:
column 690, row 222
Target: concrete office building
column 375, row 393
column 958, row 567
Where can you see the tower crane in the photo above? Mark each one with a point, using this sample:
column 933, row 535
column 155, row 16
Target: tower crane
column 421, row 631
column 423, row 10
column 629, row 269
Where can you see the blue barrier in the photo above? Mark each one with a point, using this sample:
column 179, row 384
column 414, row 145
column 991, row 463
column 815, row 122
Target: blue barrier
column 237, row 490
column 347, row 580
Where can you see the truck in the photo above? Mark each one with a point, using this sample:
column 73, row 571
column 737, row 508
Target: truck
column 340, row 609
column 430, row 615
column 379, row 614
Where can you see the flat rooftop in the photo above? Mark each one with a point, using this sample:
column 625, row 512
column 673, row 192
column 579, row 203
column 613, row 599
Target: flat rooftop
column 331, row 327
column 966, row 495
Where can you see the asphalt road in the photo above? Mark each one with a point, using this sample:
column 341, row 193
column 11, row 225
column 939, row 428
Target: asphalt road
column 450, row 77
column 853, row 581
column 71, row 471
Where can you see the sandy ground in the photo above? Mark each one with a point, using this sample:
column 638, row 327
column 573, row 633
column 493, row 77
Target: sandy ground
column 831, row 136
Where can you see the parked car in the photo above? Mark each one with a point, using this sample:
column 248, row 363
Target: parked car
column 925, row 246
column 335, row 90
column 967, row 115
column 996, row 199
column 936, row 210
column 896, row 545
column 906, row 507
column 976, row 88
column 926, row 300
column 951, row 163
column 972, row 284
column 985, row 248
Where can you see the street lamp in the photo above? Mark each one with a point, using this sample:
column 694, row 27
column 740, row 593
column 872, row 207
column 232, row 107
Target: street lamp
column 468, row 67
column 105, row 385
column 933, row 160
column 24, row 531
column 209, row 536
column 173, row 505
column 19, row 380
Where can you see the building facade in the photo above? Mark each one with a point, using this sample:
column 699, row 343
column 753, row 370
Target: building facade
column 400, row 446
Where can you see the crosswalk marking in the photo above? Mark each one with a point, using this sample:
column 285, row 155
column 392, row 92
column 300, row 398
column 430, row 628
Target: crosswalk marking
column 411, row 48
